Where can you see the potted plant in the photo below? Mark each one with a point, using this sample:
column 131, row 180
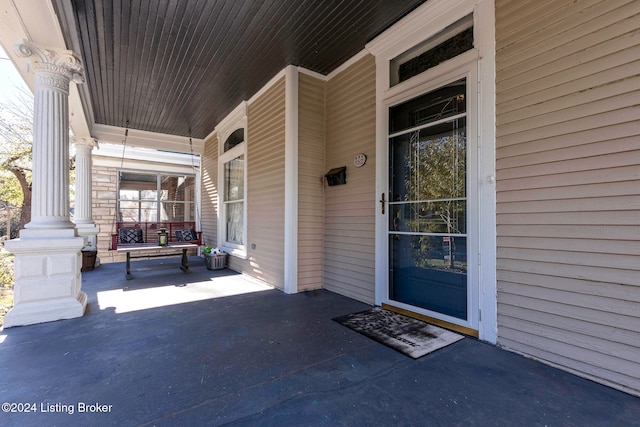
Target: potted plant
column 214, row 258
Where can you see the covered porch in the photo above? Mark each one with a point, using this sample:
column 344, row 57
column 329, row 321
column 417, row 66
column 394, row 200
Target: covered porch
column 532, row 104
column 257, row 356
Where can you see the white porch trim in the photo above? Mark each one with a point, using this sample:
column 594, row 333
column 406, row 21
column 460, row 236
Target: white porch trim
column 291, row 181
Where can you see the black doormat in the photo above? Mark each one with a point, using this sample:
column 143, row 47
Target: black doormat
column 409, row 336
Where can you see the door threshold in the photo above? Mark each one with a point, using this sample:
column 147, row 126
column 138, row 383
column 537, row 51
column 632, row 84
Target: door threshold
column 438, row 322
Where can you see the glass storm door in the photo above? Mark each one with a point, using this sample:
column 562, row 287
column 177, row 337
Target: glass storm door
column 427, row 230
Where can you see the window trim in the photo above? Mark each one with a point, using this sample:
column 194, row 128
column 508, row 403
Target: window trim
column 237, row 119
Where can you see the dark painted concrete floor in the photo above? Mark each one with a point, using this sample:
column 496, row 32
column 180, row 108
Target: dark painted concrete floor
column 267, row 359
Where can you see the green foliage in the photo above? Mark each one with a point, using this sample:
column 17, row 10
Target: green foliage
column 4, row 222
column 6, row 281
column 10, row 190
column 6, row 268
column 16, row 122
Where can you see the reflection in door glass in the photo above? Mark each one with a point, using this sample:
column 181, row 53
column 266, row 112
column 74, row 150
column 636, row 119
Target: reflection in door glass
column 430, row 165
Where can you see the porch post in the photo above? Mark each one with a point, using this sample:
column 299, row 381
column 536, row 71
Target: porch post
column 83, row 217
column 47, row 255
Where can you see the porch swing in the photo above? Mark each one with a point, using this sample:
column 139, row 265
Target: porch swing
column 138, row 235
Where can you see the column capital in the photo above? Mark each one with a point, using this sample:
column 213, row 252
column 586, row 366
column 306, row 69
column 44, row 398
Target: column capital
column 52, row 67
column 88, row 142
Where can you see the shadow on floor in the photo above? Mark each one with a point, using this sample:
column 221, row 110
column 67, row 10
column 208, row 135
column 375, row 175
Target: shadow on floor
column 213, row 348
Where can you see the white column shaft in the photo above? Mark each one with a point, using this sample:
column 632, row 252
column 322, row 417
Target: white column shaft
column 83, row 208
column 50, row 194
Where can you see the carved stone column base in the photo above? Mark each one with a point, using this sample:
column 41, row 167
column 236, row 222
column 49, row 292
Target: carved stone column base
column 47, row 280
column 34, row 312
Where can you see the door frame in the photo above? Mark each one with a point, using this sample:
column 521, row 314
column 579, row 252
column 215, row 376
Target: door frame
column 467, row 71
column 477, row 64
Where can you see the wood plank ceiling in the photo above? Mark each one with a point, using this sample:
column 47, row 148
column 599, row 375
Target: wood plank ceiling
column 167, row 65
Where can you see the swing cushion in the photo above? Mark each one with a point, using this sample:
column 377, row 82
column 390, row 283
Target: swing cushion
column 186, row 235
column 130, row 235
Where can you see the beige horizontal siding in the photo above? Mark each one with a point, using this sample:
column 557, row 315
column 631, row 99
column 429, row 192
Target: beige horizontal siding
column 349, row 234
column 209, row 215
column 265, row 187
column 568, row 185
column 311, row 149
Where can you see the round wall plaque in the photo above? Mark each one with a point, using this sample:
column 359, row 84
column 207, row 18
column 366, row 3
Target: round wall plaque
column 359, row 160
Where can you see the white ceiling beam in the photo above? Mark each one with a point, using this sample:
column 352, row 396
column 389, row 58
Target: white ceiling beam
column 145, row 139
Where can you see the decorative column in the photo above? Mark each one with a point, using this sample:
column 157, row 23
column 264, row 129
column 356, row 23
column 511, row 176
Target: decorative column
column 47, row 255
column 83, row 215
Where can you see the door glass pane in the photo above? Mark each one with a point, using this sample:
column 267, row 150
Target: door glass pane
column 429, row 217
column 430, row 272
column 437, row 105
column 428, row 204
column 428, row 179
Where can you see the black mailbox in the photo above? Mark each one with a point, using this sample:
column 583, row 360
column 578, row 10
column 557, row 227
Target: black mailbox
column 337, row 176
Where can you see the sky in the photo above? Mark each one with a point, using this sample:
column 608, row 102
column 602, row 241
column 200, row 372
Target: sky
column 10, row 79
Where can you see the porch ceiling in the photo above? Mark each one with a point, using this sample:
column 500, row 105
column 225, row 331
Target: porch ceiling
column 167, row 66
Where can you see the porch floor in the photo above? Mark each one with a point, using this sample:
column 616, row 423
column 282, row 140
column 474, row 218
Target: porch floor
column 213, row 348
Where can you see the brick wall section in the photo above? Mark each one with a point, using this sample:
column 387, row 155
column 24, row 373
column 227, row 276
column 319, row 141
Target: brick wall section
column 104, row 210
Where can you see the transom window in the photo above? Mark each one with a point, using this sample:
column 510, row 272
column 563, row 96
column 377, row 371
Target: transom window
column 236, row 138
column 452, row 41
column 155, row 196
